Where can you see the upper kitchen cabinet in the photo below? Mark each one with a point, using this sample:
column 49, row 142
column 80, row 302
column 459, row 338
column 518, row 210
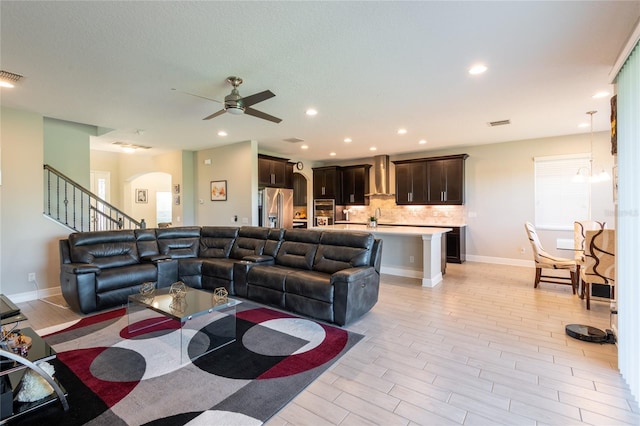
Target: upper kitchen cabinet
column 355, row 184
column 435, row 180
column 445, row 177
column 411, row 182
column 326, row 182
column 274, row 172
column 299, row 190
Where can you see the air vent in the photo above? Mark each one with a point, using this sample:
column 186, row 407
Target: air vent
column 499, row 123
column 9, row 77
column 131, row 145
column 293, row 140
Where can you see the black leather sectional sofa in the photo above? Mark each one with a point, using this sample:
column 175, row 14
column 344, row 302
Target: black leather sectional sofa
column 332, row 276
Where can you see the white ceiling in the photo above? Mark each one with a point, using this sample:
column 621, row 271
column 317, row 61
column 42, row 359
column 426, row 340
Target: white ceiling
column 367, row 67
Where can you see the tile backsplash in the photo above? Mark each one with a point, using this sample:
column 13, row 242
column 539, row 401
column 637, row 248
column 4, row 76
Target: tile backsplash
column 410, row 215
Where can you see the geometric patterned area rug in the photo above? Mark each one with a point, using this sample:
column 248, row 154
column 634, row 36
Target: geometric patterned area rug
column 117, row 378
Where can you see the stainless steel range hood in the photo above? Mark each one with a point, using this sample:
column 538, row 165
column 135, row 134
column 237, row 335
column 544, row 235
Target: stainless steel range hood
column 381, row 176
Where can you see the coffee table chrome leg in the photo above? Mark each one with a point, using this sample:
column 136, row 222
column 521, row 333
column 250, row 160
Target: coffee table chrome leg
column 41, row 372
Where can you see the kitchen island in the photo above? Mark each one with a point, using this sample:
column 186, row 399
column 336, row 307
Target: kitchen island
column 407, row 251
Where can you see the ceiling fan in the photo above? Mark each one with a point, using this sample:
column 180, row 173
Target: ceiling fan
column 236, row 104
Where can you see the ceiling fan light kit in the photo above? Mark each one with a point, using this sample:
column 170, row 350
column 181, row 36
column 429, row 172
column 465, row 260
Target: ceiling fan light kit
column 238, row 105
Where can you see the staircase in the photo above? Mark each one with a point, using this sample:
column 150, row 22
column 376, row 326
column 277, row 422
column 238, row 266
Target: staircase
column 75, row 207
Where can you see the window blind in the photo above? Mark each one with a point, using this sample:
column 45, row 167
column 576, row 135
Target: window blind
column 628, row 221
column 559, row 201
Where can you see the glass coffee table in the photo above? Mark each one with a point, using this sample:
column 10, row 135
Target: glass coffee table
column 193, row 314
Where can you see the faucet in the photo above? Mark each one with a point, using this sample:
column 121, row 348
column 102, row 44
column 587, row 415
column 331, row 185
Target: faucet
column 377, row 213
column 346, row 214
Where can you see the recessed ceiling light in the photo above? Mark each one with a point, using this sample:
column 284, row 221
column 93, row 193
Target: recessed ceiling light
column 402, row 131
column 222, row 133
column 422, row 141
column 477, row 69
column 600, row 95
column 311, row 112
column 304, row 146
column 348, row 140
column 583, row 125
column 333, row 154
column 373, row 148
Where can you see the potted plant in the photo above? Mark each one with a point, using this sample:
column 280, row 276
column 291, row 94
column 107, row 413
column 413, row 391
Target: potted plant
column 373, row 222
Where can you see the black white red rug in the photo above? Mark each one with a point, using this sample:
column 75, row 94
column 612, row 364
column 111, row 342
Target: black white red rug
column 116, row 377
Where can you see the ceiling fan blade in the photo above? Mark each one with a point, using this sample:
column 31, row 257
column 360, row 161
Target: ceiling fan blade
column 197, row 96
column 215, row 114
column 260, row 114
column 257, row 97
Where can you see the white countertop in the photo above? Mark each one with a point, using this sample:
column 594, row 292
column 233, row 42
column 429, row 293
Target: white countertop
column 439, row 225
column 386, row 229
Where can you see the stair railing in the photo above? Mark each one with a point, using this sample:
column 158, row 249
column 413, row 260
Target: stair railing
column 72, row 205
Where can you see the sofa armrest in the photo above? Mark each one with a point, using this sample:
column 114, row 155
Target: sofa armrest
column 263, row 259
column 78, row 285
column 240, row 272
column 80, row 268
column 355, row 293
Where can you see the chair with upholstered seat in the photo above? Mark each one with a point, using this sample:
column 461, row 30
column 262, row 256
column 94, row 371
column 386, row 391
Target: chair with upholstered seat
column 579, row 234
column 600, row 261
column 544, row 260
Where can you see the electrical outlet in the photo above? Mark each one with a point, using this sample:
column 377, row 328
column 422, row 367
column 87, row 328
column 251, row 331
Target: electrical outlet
column 31, row 277
column 411, row 259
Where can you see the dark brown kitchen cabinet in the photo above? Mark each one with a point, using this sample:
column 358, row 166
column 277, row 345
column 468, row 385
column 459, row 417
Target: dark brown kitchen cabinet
column 355, row 184
column 435, row 180
column 456, row 244
column 411, row 182
column 274, row 172
column 299, row 190
column 327, row 182
column 445, row 178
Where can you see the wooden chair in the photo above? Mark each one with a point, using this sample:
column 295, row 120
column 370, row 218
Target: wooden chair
column 600, row 261
column 579, row 234
column 544, row 260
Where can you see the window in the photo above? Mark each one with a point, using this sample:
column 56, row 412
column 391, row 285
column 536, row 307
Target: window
column 559, row 200
column 163, row 207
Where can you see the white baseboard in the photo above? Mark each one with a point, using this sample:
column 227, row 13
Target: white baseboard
column 401, row 272
column 34, row 295
column 501, row 261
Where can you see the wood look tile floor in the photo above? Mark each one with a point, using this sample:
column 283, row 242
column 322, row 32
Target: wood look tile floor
column 482, row 348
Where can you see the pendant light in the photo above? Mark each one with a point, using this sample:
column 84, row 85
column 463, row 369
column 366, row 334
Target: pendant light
column 591, row 178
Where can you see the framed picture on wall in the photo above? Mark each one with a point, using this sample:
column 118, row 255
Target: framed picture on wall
column 176, row 188
column 142, row 196
column 219, row 190
column 176, row 200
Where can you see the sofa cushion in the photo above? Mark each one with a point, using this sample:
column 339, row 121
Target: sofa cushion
column 310, row 284
column 274, row 240
column 146, row 242
column 250, row 241
column 179, row 243
column 298, row 248
column 269, row 276
column 218, row 268
column 126, row 276
column 105, row 249
column 216, row 241
column 342, row 250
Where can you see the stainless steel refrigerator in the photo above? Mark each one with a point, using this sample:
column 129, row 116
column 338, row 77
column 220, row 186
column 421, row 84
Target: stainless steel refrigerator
column 275, row 207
